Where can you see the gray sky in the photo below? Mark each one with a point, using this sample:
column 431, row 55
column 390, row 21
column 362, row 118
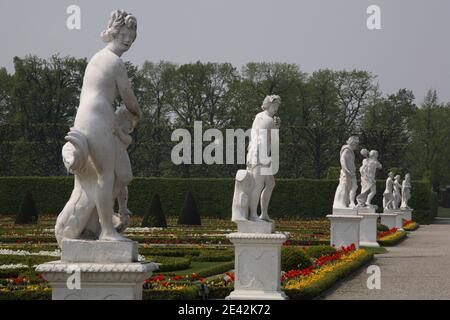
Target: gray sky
column 411, row 51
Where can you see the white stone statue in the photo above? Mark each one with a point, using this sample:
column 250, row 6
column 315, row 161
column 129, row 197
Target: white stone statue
column 368, row 181
column 388, row 194
column 346, row 191
column 254, row 186
column 406, row 191
column 397, row 192
column 96, row 151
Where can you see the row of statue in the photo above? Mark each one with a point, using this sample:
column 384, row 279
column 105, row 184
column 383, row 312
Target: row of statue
column 96, row 152
column 395, row 196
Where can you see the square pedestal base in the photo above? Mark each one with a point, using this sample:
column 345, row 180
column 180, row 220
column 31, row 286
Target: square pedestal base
column 96, row 281
column 392, row 219
column 344, row 230
column 368, row 230
column 97, row 270
column 407, row 214
column 257, row 266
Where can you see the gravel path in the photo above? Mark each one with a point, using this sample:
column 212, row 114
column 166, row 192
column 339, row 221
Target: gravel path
column 417, row 268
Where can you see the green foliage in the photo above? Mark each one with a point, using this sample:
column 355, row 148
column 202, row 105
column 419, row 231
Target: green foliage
column 188, row 293
column 28, row 213
column 170, row 263
column 155, row 216
column 315, row 252
column 382, row 227
column 333, row 173
column 189, row 215
column 293, row 258
column 313, row 198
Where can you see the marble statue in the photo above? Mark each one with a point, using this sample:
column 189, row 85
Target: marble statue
column 388, row 195
column 406, row 191
column 397, row 192
column 96, row 151
column 368, row 182
column 346, row 191
column 252, row 185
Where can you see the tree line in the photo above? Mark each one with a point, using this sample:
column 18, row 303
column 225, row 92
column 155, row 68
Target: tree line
column 38, row 102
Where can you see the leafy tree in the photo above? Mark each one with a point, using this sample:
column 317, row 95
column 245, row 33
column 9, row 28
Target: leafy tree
column 386, row 127
column 430, row 151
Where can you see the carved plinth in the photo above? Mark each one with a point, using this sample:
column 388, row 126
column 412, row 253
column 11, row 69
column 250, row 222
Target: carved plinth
column 368, row 227
column 344, row 230
column 257, row 266
column 345, row 211
column 392, row 219
column 111, row 274
column 260, row 226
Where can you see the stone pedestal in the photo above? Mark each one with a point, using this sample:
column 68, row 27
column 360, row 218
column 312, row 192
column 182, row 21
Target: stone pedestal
column 344, row 230
column 407, row 214
column 392, row 219
column 368, row 227
column 97, row 270
column 257, row 266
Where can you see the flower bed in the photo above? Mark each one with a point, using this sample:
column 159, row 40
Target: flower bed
column 211, row 232
column 392, row 238
column 410, row 225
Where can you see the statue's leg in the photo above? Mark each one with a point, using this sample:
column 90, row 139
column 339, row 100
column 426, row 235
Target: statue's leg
column 269, row 184
column 373, row 191
column 124, row 175
column 255, row 193
column 352, row 195
column 102, row 150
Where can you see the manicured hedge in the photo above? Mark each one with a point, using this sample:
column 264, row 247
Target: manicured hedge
column 292, row 197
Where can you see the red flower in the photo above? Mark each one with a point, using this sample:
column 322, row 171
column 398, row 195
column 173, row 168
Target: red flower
column 194, row 276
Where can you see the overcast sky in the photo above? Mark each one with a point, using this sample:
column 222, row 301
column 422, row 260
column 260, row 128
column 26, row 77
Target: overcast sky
column 411, row 51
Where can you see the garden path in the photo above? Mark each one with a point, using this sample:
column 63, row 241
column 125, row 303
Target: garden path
column 417, row 268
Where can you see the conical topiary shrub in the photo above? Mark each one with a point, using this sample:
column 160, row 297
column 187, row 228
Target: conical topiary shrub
column 189, row 215
column 28, row 213
column 154, row 217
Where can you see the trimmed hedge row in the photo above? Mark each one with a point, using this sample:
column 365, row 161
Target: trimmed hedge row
column 292, row 197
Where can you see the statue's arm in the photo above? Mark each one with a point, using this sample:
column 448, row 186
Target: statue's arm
column 126, row 91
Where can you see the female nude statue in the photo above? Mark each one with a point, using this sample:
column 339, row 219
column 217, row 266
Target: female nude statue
column 96, row 148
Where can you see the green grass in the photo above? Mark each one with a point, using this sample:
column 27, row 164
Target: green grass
column 444, row 212
column 379, row 250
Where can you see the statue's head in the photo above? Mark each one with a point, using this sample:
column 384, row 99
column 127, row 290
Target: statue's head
column 391, row 175
column 364, row 152
column 408, row 176
column 121, row 31
column 397, row 177
column 271, row 104
column 373, row 154
column 353, row 142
